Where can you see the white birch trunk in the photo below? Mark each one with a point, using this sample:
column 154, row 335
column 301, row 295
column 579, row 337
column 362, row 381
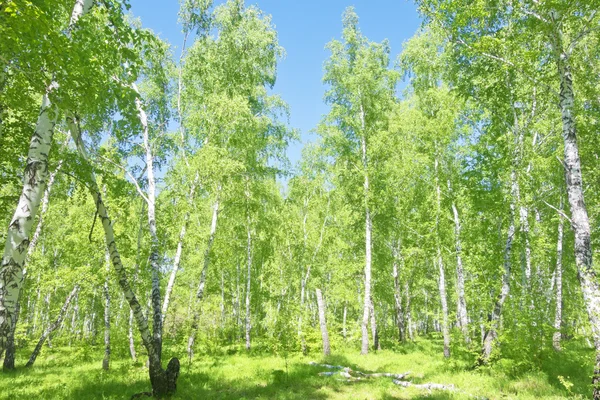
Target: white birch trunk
column 444, row 303
column 368, row 244
column 106, row 359
column 558, row 286
column 157, row 319
column 323, row 323
column 52, row 327
column 202, row 281
column 440, row 264
column 34, row 183
column 374, row 332
column 178, row 252
column 580, row 222
column 494, row 319
column 163, row 382
column 303, row 281
column 461, row 304
column 397, row 295
column 248, row 284
column 409, row 323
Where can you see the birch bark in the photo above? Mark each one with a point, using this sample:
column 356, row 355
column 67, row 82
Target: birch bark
column 580, row 222
column 368, row 244
column 323, row 323
column 34, row 183
column 51, row 327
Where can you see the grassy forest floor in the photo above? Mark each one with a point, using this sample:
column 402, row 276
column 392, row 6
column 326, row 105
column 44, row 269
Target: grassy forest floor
column 70, row 373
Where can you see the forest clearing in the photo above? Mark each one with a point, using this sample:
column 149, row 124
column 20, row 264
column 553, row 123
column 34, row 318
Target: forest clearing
column 201, row 213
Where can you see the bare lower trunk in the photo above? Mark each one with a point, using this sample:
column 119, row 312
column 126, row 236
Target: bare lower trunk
column 131, row 339
column 558, row 286
column 494, row 318
column 163, row 381
column 17, row 239
column 303, row 282
column 580, row 222
column 154, row 258
column 106, row 360
column 398, row 296
column 374, row 332
column 444, row 303
column 344, row 320
column 323, row 323
column 52, row 327
column 440, row 264
column 461, row 304
column 202, row 281
column 178, row 253
column 248, row 286
column 368, row 249
column 409, row 323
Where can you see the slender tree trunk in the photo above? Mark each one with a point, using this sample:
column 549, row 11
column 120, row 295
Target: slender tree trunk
column 368, row 244
column 397, row 295
column 52, row 327
column 303, row 282
column 34, row 183
column 444, row 303
column 323, row 323
column 163, row 381
column 461, row 304
column 440, row 263
column 154, row 244
column 130, row 336
column 75, row 320
column 374, row 331
column 580, row 222
column 558, row 280
column 106, row 360
column 344, row 320
column 409, row 323
column 248, row 284
column 494, row 318
column 202, row 280
column 178, row 252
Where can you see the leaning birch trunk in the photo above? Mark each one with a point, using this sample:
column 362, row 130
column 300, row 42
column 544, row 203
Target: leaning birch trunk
column 163, row 381
column 368, row 244
column 52, row 327
column 157, row 318
column 34, row 183
column 461, row 304
column 9, row 358
column 490, row 336
column 106, row 359
column 201, row 283
column 558, row 284
column 323, row 323
column 178, row 252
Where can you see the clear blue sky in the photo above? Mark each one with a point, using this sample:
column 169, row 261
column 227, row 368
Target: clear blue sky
column 304, row 28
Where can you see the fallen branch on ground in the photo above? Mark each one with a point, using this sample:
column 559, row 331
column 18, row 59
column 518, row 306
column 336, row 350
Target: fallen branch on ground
column 428, row 386
column 351, row 374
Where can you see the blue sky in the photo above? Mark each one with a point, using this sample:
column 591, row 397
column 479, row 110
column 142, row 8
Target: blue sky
column 304, row 28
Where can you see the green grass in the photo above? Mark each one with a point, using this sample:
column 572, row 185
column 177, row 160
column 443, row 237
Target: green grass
column 66, row 373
